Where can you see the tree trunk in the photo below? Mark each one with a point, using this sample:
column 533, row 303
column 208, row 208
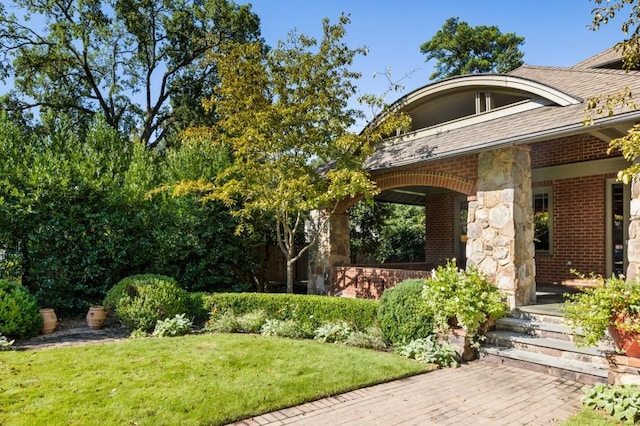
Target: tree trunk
column 290, row 274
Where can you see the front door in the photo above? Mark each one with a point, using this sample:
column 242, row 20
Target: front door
column 461, row 212
column 617, row 227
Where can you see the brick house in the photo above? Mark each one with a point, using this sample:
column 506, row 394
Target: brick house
column 512, row 181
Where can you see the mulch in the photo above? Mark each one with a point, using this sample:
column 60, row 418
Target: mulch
column 74, row 332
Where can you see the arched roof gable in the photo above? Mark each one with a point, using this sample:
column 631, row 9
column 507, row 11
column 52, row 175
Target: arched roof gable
column 495, row 81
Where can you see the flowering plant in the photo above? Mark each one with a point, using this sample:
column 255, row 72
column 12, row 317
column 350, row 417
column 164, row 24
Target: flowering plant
column 464, row 299
column 613, row 301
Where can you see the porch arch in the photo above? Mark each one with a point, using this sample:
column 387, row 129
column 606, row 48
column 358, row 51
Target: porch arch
column 398, row 179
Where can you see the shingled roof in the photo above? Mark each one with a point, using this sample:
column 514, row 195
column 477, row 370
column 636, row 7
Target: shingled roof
column 581, row 81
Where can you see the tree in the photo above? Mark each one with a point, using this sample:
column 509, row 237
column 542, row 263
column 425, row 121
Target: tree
column 461, row 49
column 141, row 63
column 282, row 113
column 609, row 104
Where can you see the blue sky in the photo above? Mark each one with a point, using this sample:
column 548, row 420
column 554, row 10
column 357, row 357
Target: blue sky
column 556, row 31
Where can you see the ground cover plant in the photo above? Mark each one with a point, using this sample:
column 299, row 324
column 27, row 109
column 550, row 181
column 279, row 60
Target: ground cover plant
column 196, row 379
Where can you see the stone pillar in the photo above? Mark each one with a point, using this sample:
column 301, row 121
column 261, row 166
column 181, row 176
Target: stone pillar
column 633, row 246
column 500, row 228
column 330, row 249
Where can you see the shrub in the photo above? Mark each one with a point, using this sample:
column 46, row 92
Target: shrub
column 19, row 315
column 371, row 338
column 283, row 328
column 333, row 332
column 197, row 308
column 140, row 301
column 403, row 314
column 176, row 326
column 430, row 351
column 310, row 312
column 462, row 298
column 252, row 322
column 223, row 323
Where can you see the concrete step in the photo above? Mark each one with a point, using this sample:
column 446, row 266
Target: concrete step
column 583, row 372
column 553, row 347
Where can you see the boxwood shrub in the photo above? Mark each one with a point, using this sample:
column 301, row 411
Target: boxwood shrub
column 19, row 315
column 403, row 314
column 309, row 311
column 139, row 301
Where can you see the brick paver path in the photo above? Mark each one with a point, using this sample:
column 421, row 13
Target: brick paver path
column 478, row 393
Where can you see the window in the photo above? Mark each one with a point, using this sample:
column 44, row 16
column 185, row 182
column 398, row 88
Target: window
column 543, row 219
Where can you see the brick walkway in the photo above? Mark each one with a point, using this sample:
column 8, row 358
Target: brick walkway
column 479, row 393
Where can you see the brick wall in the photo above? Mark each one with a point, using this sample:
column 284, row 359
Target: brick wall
column 567, row 150
column 371, row 281
column 439, row 243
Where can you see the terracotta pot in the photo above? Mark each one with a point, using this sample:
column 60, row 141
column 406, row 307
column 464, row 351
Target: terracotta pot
column 96, row 317
column 627, row 341
column 49, row 320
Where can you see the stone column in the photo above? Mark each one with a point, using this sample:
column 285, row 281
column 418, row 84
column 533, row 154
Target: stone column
column 331, row 249
column 500, row 228
column 633, row 246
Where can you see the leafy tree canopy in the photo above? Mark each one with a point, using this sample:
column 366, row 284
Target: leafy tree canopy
column 140, row 63
column 459, row 48
column 281, row 113
column 609, row 104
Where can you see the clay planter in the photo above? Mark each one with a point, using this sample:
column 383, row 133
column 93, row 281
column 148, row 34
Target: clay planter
column 627, row 341
column 96, row 317
column 49, row 320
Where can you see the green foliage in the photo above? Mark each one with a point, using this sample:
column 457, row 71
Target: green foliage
column 5, row 343
column 251, row 322
column 176, row 326
column 340, row 332
column 310, row 311
column 226, row 322
column 282, row 111
column 19, row 315
column 138, row 334
column 462, row 298
column 197, row 309
column 386, row 232
column 403, row 313
column 459, row 48
column 611, row 301
column 75, row 216
column 429, row 351
column 99, row 54
column 332, row 332
column 371, row 338
column 621, row 402
column 140, row 301
column 283, row 328
column 10, row 265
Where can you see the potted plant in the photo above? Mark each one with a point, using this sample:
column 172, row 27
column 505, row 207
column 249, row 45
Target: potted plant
column 463, row 303
column 611, row 305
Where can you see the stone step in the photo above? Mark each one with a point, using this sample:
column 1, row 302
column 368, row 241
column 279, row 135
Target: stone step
column 583, row 372
column 537, row 328
column 559, row 348
column 540, row 313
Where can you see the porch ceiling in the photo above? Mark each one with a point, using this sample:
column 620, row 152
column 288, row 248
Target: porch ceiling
column 412, row 195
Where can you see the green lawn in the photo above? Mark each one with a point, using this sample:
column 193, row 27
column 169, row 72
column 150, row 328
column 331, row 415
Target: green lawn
column 204, row 379
column 590, row 417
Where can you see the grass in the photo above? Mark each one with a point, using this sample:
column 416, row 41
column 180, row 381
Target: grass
column 190, row 380
column 590, row 417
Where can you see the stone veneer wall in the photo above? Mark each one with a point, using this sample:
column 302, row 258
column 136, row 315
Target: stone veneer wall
column 633, row 247
column 330, row 250
column 500, row 229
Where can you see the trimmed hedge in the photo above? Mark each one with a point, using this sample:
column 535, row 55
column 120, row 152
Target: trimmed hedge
column 403, row 314
column 310, row 312
column 19, row 315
